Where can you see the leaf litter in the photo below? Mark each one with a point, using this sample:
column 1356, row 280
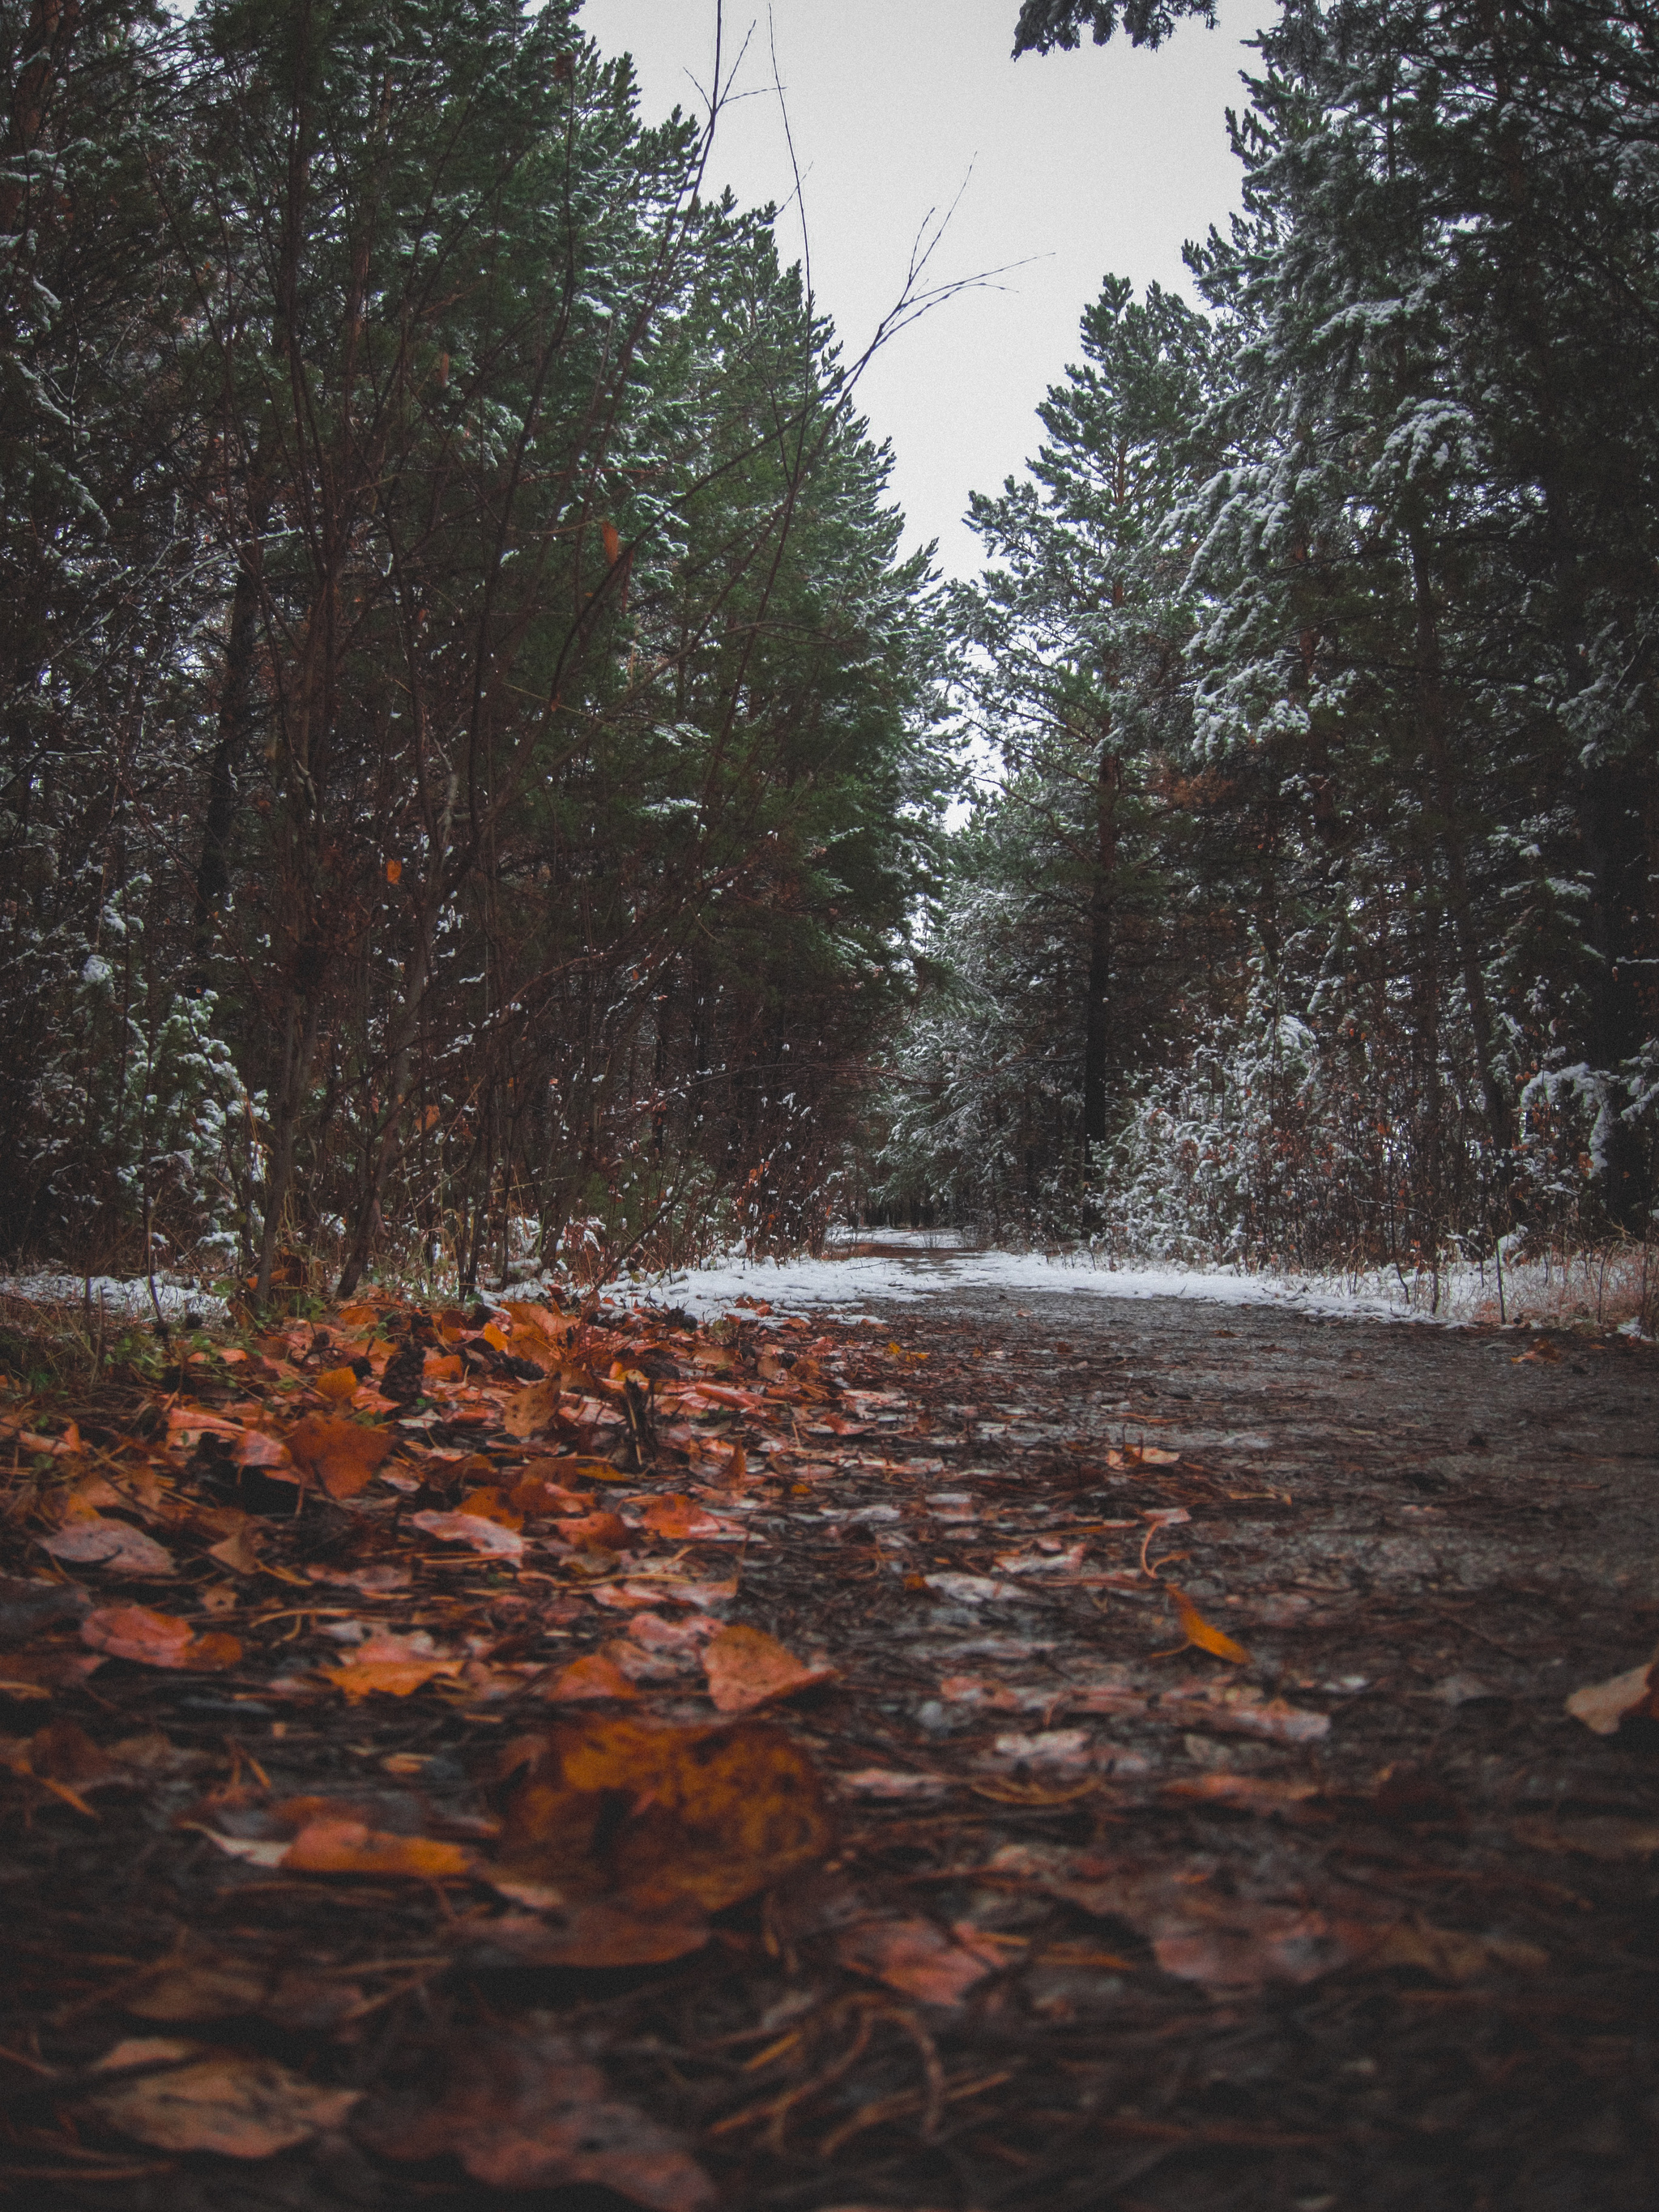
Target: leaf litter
column 615, row 1715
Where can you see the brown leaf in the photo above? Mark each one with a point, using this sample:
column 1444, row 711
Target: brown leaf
column 1604, row 1706
column 198, row 1982
column 92, row 1541
column 228, row 2101
column 919, row 1958
column 594, row 1675
column 747, row 1668
column 712, row 1814
column 528, row 1412
column 338, row 1383
column 156, row 1639
column 526, row 2111
column 343, row 1455
column 239, row 1552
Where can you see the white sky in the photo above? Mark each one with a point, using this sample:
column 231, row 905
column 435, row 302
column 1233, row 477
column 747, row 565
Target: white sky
column 1104, row 159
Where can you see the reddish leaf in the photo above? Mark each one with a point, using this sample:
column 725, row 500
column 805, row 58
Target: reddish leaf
column 747, row 1668
column 156, row 1639
column 595, row 1675
column 918, row 1958
column 526, row 2111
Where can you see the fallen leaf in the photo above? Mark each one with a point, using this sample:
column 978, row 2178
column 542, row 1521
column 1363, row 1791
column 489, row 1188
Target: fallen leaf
column 595, row 1675
column 343, row 1455
column 229, row 2101
column 536, row 1496
column 1602, row 1706
column 347, row 1846
column 156, row 1639
column 526, row 2110
column 199, row 1981
column 337, row 1382
column 679, row 1518
column 391, row 1666
column 240, row 1552
column 597, row 1532
column 490, row 1505
column 918, row 1958
column 747, row 1668
column 473, row 1529
column 1199, row 1632
column 528, row 1412
column 93, row 1541
column 664, row 1815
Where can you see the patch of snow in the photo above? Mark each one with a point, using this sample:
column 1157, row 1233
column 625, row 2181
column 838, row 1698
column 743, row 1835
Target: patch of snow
column 119, row 1299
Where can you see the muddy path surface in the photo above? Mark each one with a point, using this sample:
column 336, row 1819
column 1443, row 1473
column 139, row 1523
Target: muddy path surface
column 1208, row 1828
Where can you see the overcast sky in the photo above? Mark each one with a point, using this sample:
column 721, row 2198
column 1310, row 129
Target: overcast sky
column 1104, row 159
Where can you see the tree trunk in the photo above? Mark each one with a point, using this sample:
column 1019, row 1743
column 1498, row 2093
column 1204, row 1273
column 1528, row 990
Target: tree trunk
column 1432, row 716
column 1097, row 1027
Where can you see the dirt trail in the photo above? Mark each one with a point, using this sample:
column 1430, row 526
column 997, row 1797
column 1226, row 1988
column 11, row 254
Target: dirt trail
column 1356, row 1917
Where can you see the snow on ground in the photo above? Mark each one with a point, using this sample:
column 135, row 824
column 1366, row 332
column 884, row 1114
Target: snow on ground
column 119, row 1300
column 906, row 1265
column 898, row 1266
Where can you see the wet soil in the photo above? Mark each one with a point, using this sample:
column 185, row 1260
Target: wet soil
column 1392, row 1948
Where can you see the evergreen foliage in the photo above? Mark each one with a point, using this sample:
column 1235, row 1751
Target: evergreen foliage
column 1372, row 941
column 470, row 738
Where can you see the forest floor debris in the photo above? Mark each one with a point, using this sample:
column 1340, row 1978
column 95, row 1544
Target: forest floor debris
column 1074, row 1752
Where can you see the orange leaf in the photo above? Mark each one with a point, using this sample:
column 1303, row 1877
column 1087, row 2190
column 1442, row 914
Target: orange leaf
column 534, row 1496
column 595, row 1675
column 394, row 870
column 342, row 1454
column 746, row 1667
column 337, row 1382
column 676, row 1516
column 597, row 1532
column 491, row 1505
column 705, row 1815
column 1198, row 1631
column 392, row 1678
column 612, row 542
column 346, row 1846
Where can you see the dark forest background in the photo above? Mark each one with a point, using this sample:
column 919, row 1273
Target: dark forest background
column 477, row 768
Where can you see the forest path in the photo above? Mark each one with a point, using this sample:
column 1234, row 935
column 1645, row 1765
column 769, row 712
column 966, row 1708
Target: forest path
column 1191, row 1820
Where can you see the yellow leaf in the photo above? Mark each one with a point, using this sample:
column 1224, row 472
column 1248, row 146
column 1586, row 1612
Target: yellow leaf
column 1198, row 1631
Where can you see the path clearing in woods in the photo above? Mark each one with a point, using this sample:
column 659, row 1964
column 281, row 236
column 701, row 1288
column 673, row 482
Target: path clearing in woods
column 1040, row 1751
